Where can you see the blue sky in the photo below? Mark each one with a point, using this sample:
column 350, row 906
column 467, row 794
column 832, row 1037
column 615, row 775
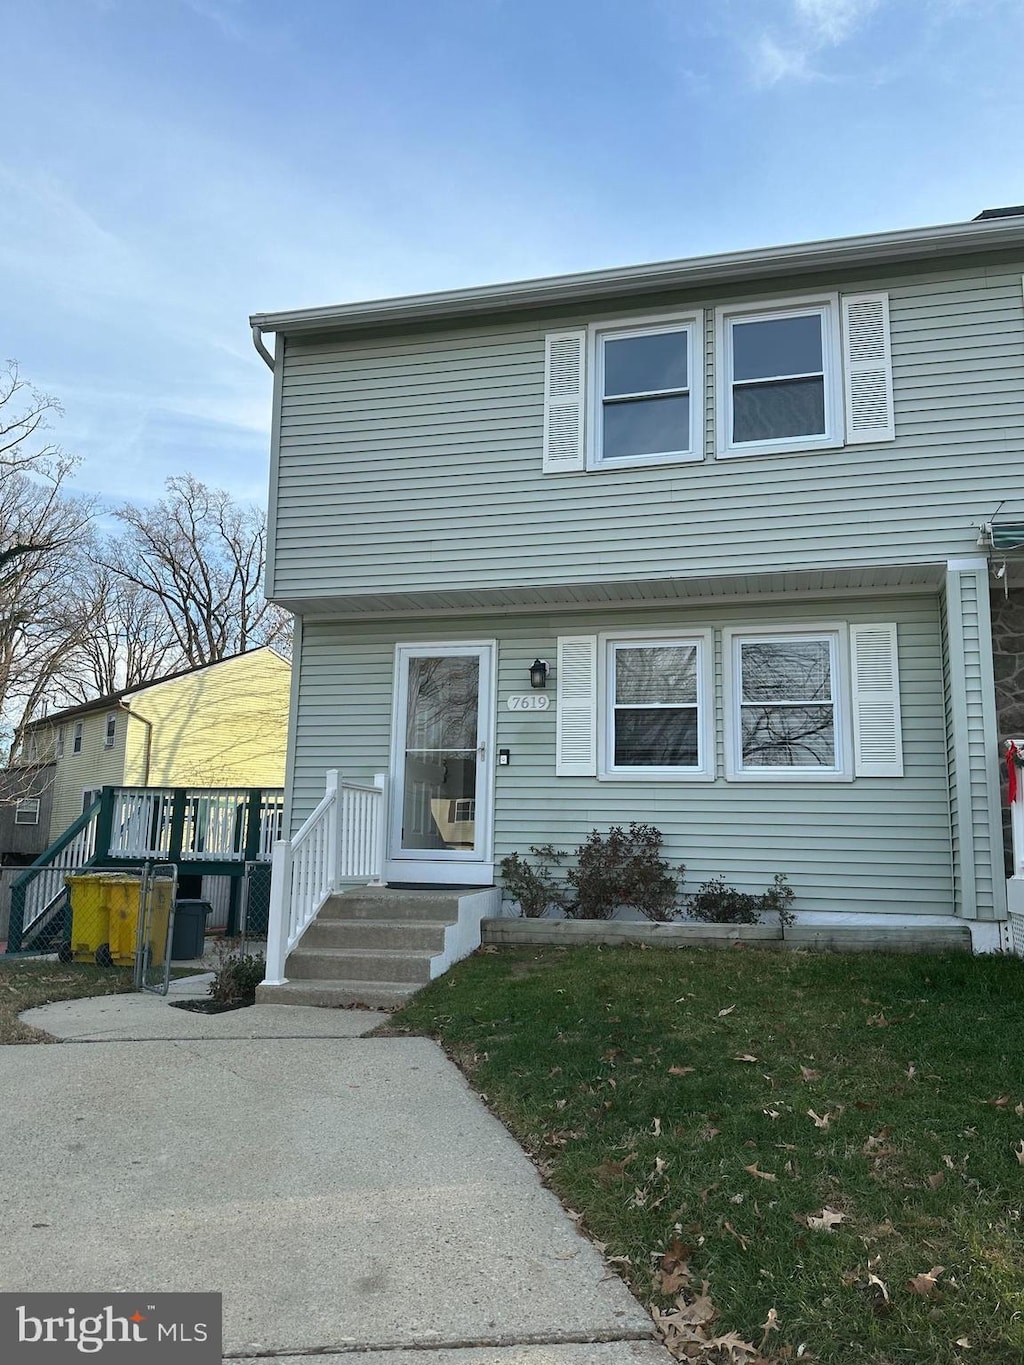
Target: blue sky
column 170, row 166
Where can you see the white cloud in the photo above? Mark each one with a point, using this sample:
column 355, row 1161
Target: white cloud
column 830, row 22
column 815, row 25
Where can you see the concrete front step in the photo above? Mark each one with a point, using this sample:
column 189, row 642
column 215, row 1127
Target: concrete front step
column 371, row 902
column 374, row 933
column 359, row 964
column 339, row 995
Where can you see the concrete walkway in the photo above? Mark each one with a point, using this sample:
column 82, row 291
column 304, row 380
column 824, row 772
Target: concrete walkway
column 344, row 1194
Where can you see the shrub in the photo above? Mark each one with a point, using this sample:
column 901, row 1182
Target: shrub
column 534, row 887
column 237, row 976
column 624, row 867
column 716, row 903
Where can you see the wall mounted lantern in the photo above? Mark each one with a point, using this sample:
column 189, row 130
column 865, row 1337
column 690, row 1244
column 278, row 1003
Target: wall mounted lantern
column 539, row 673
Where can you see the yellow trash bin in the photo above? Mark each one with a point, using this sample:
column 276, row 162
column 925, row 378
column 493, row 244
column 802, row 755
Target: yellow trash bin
column 105, row 918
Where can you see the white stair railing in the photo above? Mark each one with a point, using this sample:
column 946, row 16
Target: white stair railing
column 342, row 841
column 1015, row 885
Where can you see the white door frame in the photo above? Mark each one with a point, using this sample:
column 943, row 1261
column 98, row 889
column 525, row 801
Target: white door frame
column 457, row 867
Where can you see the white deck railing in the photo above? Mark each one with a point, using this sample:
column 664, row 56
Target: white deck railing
column 214, row 825
column 342, row 841
column 48, row 885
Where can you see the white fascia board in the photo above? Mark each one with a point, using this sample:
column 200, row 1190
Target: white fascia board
column 834, row 253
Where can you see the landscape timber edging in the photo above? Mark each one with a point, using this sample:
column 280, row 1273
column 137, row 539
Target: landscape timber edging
column 556, row 933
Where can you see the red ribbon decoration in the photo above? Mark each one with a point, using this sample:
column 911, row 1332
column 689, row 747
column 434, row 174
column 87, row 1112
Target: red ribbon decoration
column 1011, row 770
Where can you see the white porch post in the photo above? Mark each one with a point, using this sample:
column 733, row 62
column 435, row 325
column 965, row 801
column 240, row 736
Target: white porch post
column 277, row 919
column 335, row 831
column 380, row 780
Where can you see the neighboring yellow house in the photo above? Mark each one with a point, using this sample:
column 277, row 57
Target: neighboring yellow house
column 223, row 724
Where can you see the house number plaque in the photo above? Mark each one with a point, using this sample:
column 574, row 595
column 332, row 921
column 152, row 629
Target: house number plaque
column 529, row 701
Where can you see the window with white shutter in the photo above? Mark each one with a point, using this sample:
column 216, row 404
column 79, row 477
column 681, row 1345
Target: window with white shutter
column 564, row 401
column 867, row 362
column 576, row 727
column 877, row 731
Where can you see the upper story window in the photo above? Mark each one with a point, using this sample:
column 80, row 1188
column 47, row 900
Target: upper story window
column 27, row 812
column 110, row 731
column 646, row 393
column 791, row 375
column 781, row 381
column 657, row 710
column 61, row 731
column 76, row 738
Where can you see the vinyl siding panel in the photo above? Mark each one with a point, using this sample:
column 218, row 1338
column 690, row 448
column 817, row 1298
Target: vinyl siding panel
column 94, row 766
column 871, row 844
column 413, row 462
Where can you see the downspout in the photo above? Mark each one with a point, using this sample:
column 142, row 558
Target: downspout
column 257, row 341
column 149, row 741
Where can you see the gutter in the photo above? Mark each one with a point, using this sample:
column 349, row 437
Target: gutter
column 149, row 740
column 874, row 249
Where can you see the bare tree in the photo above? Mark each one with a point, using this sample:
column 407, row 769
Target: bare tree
column 43, row 529
column 199, row 555
column 123, row 641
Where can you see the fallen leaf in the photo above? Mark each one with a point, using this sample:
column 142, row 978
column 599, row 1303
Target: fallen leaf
column 1000, row 1102
column 823, row 1120
column 681, row 1070
column 613, row 1170
column 728, row 1010
column 879, row 1284
column 744, row 1057
column 826, row 1220
column 771, row 1113
column 656, row 1128
column 911, row 1071
column 879, row 1020
column 1018, row 1109
column 743, row 1241
column 670, row 1282
column 925, row 1283
column 1018, row 1152
column 761, row 1175
column 771, row 1323
column 963, row 1342
column 934, row 1181
column 808, row 1074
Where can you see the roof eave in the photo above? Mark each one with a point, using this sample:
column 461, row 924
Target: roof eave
column 874, row 249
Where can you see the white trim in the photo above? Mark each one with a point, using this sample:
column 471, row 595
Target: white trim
column 692, row 324
column 704, row 639
column 110, row 729
column 77, row 736
column 576, row 715
column 867, row 369
column 440, row 864
column 837, row 632
column 20, row 809
column 827, row 307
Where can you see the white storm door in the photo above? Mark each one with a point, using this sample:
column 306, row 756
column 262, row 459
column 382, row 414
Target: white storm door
column 442, row 761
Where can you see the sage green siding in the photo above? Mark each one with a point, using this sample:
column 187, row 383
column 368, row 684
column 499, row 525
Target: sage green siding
column 412, row 462
column 871, row 844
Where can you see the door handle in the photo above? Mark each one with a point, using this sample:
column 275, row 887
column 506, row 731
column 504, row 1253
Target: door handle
column 481, row 750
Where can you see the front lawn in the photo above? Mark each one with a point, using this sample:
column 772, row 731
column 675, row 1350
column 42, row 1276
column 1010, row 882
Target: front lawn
column 833, row 1143
column 27, row 982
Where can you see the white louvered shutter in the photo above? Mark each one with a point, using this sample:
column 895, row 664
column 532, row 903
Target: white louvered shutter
column 564, row 389
column 576, row 728
column 867, row 366
column 877, row 732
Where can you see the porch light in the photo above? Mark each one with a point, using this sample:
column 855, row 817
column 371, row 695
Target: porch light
column 539, row 673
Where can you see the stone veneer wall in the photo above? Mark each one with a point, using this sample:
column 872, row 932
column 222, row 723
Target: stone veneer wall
column 1008, row 663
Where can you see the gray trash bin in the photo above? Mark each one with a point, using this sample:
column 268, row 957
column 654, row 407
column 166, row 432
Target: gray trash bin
column 189, row 929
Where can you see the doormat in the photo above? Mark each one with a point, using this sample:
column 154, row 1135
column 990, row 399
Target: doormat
column 210, row 1006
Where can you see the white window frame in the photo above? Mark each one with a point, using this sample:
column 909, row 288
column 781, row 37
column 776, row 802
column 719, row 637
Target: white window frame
column 733, row 638
column 606, row 767
column 22, row 808
column 110, row 732
column 824, row 305
column 692, row 323
column 60, row 740
column 77, row 734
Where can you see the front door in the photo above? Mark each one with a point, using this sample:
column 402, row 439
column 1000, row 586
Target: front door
column 442, row 765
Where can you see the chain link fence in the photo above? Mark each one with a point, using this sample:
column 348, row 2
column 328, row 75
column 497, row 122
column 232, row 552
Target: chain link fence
column 157, row 896
column 255, row 912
